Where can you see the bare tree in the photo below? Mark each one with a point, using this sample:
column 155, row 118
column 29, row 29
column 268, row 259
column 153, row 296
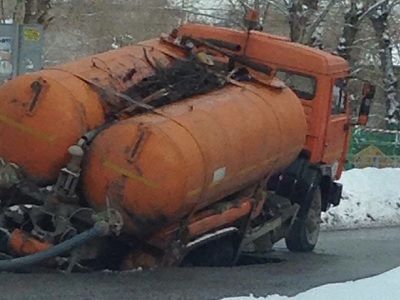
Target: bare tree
column 379, row 19
column 19, row 12
column 304, row 17
column 352, row 20
column 2, row 12
column 300, row 14
column 33, row 12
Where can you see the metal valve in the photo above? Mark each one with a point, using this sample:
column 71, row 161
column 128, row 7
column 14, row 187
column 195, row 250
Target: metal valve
column 69, row 176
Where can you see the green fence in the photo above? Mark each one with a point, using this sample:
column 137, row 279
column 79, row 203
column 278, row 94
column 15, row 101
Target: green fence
column 374, row 148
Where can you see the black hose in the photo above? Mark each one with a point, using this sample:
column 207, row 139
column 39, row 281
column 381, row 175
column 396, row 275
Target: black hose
column 100, row 229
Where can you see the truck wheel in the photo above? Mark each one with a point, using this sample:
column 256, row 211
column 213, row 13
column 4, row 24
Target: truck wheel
column 304, row 233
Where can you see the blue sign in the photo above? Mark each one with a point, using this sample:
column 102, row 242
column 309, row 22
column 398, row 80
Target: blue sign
column 21, row 50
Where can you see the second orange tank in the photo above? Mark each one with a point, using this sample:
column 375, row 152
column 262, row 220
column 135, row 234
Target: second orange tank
column 157, row 168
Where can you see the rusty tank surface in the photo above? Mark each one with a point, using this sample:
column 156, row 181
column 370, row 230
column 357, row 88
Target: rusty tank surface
column 185, row 149
column 156, row 168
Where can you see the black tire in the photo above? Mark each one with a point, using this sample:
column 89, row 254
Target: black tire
column 304, row 233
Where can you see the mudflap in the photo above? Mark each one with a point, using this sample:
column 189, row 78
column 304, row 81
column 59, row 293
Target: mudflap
column 336, row 194
column 331, row 193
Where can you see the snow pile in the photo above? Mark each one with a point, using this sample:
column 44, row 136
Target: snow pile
column 371, row 197
column 385, row 286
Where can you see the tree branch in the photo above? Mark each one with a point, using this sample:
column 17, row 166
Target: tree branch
column 318, row 21
column 371, row 9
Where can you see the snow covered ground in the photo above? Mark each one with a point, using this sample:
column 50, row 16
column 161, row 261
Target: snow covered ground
column 371, row 198
column 385, row 286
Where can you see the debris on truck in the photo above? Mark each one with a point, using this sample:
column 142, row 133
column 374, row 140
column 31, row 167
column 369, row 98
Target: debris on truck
column 184, row 149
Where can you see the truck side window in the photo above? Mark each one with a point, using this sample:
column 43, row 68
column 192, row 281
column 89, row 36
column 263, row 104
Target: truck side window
column 339, row 97
column 303, row 85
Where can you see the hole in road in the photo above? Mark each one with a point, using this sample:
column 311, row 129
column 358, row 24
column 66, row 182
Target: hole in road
column 221, row 253
column 253, row 259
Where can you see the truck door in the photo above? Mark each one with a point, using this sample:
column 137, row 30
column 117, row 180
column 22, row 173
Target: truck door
column 336, row 142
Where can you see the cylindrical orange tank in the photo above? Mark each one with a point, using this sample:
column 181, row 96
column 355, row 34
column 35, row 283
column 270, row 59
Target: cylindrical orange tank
column 157, row 168
column 43, row 113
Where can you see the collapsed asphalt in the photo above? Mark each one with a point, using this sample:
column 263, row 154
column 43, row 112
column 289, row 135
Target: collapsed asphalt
column 340, row 256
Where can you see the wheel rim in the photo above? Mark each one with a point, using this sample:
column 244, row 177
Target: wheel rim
column 313, row 221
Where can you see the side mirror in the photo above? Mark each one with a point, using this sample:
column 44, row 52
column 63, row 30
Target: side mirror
column 368, row 95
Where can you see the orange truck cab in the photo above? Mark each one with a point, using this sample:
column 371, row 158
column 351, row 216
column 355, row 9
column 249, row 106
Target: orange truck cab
column 186, row 149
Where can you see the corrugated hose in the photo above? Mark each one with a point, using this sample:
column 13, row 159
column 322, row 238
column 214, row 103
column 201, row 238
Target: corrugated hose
column 14, row 264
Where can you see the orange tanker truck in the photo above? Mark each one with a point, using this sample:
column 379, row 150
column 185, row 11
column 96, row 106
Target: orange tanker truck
column 186, row 149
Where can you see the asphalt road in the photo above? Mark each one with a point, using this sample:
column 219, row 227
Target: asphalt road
column 340, row 256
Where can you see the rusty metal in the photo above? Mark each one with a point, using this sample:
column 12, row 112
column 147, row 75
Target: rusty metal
column 241, row 59
column 258, row 201
column 22, row 244
column 222, row 44
column 37, row 87
column 10, row 174
column 275, row 227
column 206, row 238
column 129, row 111
column 179, row 80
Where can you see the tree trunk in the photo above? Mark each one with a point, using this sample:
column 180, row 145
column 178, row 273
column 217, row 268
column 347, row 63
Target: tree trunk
column 297, row 20
column 379, row 20
column 301, row 13
column 37, row 12
column 30, row 12
column 350, row 30
column 315, row 30
column 19, row 12
column 3, row 15
column 264, row 14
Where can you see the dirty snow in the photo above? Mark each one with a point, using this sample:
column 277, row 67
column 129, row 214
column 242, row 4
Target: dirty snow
column 384, row 286
column 371, row 198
